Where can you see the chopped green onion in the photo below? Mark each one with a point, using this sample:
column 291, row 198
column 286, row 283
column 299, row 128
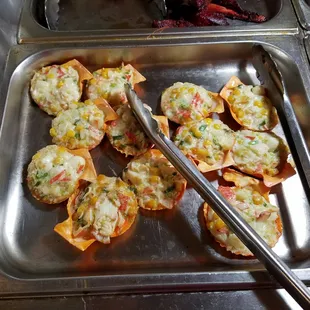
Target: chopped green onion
column 202, row 127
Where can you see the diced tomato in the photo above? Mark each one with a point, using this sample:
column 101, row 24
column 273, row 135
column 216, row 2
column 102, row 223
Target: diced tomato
column 227, row 192
column 113, row 123
column 148, row 190
column 259, row 168
column 249, row 137
column 65, row 179
column 80, row 169
column 128, row 76
column 185, row 113
column 60, row 73
column 131, row 136
column 57, row 177
column 223, row 230
column 124, row 201
column 196, row 100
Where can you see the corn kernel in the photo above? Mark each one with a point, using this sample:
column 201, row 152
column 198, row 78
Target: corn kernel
column 36, row 156
column 219, row 224
column 105, row 73
column 60, row 84
column 257, row 198
column 182, row 89
column 154, row 179
column 98, row 114
column 58, row 160
column 70, row 133
column 152, row 204
column 105, row 95
column 258, row 104
column 202, row 152
column 264, row 112
column 93, row 200
column 218, row 157
column 88, row 102
column 50, row 76
column 236, row 91
column 79, row 127
column 208, row 121
column 53, row 132
column 231, row 99
column 240, row 113
column 100, row 178
column 93, row 82
column 62, row 149
column 196, row 132
column 207, row 143
column 217, row 126
column 53, row 108
column 192, row 90
column 154, row 171
column 75, row 102
column 205, row 112
column 210, row 225
column 188, row 139
column 85, row 116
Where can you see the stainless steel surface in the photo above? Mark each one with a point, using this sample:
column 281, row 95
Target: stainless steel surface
column 228, row 214
column 51, row 12
column 302, row 8
column 281, row 14
column 166, row 251
column 270, row 76
column 254, row 300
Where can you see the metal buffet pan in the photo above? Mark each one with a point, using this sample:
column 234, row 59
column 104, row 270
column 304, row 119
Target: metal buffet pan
column 77, row 23
column 164, row 251
column 302, row 8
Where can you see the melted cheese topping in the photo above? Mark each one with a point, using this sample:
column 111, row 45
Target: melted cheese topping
column 258, row 152
column 53, row 173
column 187, row 102
column 126, row 134
column 79, row 127
column 255, row 209
column 158, row 185
column 207, row 140
column 252, row 107
column 103, row 208
column 109, row 84
column 53, row 88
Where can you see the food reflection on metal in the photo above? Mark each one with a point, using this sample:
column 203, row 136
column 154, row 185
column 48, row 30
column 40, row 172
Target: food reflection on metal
column 229, row 215
column 205, row 13
column 51, row 11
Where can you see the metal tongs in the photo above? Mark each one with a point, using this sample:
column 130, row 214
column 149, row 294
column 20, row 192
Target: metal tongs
column 282, row 273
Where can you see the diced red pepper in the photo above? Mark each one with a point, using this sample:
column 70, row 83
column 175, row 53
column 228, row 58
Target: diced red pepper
column 80, row 169
column 57, row 177
column 227, row 192
column 249, row 137
column 196, row 100
column 148, row 190
column 60, row 73
column 113, row 123
column 131, row 136
column 124, row 202
column 128, row 76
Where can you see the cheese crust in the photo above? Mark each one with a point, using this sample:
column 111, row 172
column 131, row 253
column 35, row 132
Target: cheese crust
column 186, row 102
column 157, row 183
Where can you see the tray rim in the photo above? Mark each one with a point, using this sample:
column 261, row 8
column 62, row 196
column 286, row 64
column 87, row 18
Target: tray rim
column 30, row 31
column 181, row 281
column 303, row 13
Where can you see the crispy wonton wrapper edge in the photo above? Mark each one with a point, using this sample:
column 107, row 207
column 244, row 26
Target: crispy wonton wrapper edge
column 241, row 180
column 234, row 82
column 109, row 113
column 89, row 173
column 204, row 167
column 84, row 74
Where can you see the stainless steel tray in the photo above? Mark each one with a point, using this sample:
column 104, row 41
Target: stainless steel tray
column 85, row 25
column 164, row 251
column 302, row 8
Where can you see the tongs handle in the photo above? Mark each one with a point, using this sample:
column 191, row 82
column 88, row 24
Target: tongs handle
column 228, row 214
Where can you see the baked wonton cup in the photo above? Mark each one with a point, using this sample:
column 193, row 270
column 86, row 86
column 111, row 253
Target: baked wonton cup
column 249, row 105
column 250, row 198
column 98, row 211
column 126, row 134
column 55, row 172
column 54, row 88
column 108, row 83
column 264, row 155
column 207, row 142
column 83, row 125
column 157, row 183
column 186, row 102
